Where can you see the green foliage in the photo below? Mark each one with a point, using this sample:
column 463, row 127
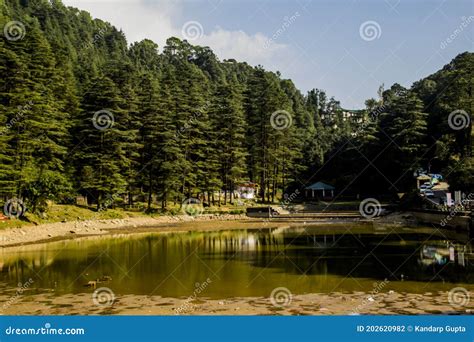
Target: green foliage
column 48, row 186
column 184, row 124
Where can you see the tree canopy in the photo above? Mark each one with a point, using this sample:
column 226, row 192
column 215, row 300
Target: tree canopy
column 82, row 112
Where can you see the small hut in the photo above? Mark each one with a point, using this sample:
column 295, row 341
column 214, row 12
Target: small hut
column 247, row 190
column 319, row 190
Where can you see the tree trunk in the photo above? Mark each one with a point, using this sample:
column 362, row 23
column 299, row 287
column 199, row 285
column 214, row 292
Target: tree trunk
column 149, row 202
column 99, row 200
column 149, row 193
column 231, row 192
column 274, row 182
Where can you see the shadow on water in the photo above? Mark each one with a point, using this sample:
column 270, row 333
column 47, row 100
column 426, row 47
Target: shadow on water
column 248, row 262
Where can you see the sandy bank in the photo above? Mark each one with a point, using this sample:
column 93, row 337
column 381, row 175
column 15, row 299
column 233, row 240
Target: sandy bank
column 10, row 237
column 336, row 303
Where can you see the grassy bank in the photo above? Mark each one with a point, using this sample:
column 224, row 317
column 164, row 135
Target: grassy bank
column 68, row 213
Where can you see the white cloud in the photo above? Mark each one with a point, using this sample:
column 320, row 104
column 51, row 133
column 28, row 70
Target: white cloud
column 242, row 46
column 138, row 19
column 159, row 20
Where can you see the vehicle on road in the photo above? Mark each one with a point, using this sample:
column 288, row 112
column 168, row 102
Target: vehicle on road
column 429, row 193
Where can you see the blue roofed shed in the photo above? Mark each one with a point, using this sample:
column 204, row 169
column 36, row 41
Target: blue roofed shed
column 319, row 189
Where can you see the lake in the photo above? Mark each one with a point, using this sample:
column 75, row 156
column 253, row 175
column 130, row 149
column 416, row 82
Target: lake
column 250, row 262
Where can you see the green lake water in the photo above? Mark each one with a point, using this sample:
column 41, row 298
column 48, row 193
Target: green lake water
column 248, row 262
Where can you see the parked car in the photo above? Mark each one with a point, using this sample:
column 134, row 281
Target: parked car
column 429, row 193
column 425, row 187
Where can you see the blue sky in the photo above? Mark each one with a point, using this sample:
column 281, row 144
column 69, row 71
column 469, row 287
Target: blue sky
column 323, row 43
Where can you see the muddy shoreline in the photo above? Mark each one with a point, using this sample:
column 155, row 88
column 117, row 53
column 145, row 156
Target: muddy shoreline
column 336, row 303
column 52, row 232
column 49, row 302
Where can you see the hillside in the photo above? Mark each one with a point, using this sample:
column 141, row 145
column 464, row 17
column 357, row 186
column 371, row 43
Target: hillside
column 83, row 112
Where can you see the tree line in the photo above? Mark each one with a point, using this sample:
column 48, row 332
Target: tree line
column 83, row 112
